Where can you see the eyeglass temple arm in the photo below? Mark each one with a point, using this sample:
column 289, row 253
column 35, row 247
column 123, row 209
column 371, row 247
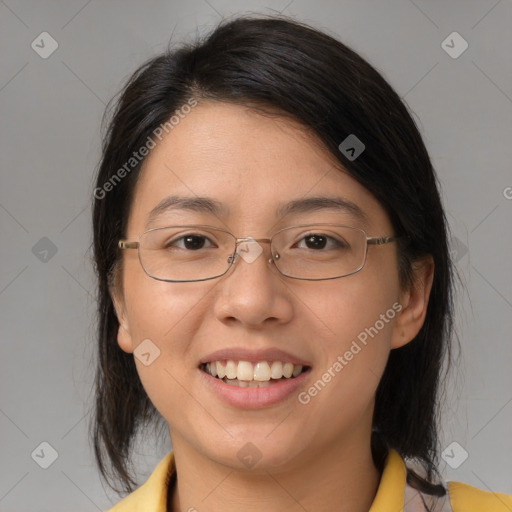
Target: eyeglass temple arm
column 125, row 244
column 381, row 240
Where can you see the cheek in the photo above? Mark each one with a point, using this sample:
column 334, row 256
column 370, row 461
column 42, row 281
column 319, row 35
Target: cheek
column 345, row 382
column 168, row 315
column 348, row 308
column 356, row 315
column 164, row 312
column 360, row 335
column 163, row 320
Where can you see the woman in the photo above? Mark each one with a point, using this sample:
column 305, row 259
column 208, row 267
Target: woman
column 274, row 282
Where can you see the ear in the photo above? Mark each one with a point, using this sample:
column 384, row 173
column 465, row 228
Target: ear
column 124, row 338
column 414, row 303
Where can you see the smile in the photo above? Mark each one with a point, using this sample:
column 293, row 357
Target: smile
column 249, row 375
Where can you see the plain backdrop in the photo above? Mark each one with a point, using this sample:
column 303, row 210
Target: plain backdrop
column 51, row 110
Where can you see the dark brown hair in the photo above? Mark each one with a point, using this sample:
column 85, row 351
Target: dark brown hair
column 333, row 92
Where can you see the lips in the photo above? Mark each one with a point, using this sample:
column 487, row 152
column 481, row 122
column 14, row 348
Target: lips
column 253, row 379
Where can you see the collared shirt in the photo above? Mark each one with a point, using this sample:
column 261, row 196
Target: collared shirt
column 393, row 494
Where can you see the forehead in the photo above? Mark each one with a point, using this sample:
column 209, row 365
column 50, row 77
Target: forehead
column 250, row 164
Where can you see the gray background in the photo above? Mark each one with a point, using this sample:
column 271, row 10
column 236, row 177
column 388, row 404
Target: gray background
column 50, row 118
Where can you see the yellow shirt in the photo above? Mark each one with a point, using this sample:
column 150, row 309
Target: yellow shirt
column 393, row 494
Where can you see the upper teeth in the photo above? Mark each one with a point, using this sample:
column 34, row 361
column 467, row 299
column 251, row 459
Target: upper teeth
column 244, row 370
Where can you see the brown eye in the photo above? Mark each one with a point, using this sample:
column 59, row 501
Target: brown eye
column 319, row 241
column 188, row 242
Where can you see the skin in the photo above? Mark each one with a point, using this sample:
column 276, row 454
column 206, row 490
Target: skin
column 316, row 456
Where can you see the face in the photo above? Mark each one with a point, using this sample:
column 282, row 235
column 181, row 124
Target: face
column 252, row 164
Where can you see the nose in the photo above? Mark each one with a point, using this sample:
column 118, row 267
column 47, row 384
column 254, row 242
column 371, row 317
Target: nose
column 253, row 292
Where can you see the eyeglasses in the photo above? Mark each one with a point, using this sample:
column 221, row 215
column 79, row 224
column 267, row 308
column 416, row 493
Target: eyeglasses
column 311, row 252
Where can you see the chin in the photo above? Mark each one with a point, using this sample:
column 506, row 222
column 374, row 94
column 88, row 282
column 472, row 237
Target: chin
column 255, row 451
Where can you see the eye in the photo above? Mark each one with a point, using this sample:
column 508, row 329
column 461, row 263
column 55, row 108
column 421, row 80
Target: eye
column 191, row 242
column 317, row 241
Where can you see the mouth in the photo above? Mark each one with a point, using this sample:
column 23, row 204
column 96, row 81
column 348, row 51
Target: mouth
column 245, row 374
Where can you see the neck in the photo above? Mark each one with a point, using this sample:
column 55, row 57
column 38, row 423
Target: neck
column 341, row 477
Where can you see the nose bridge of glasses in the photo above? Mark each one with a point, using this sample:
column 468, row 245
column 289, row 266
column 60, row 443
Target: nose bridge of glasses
column 248, row 248
column 249, row 239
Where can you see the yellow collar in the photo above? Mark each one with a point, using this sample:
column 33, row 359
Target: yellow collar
column 393, row 493
column 390, row 493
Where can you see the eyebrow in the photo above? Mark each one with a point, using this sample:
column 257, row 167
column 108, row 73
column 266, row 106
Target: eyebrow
column 311, row 204
column 296, row 206
column 194, row 204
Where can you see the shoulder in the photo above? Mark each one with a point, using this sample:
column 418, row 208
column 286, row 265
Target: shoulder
column 460, row 497
column 152, row 495
column 465, row 498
